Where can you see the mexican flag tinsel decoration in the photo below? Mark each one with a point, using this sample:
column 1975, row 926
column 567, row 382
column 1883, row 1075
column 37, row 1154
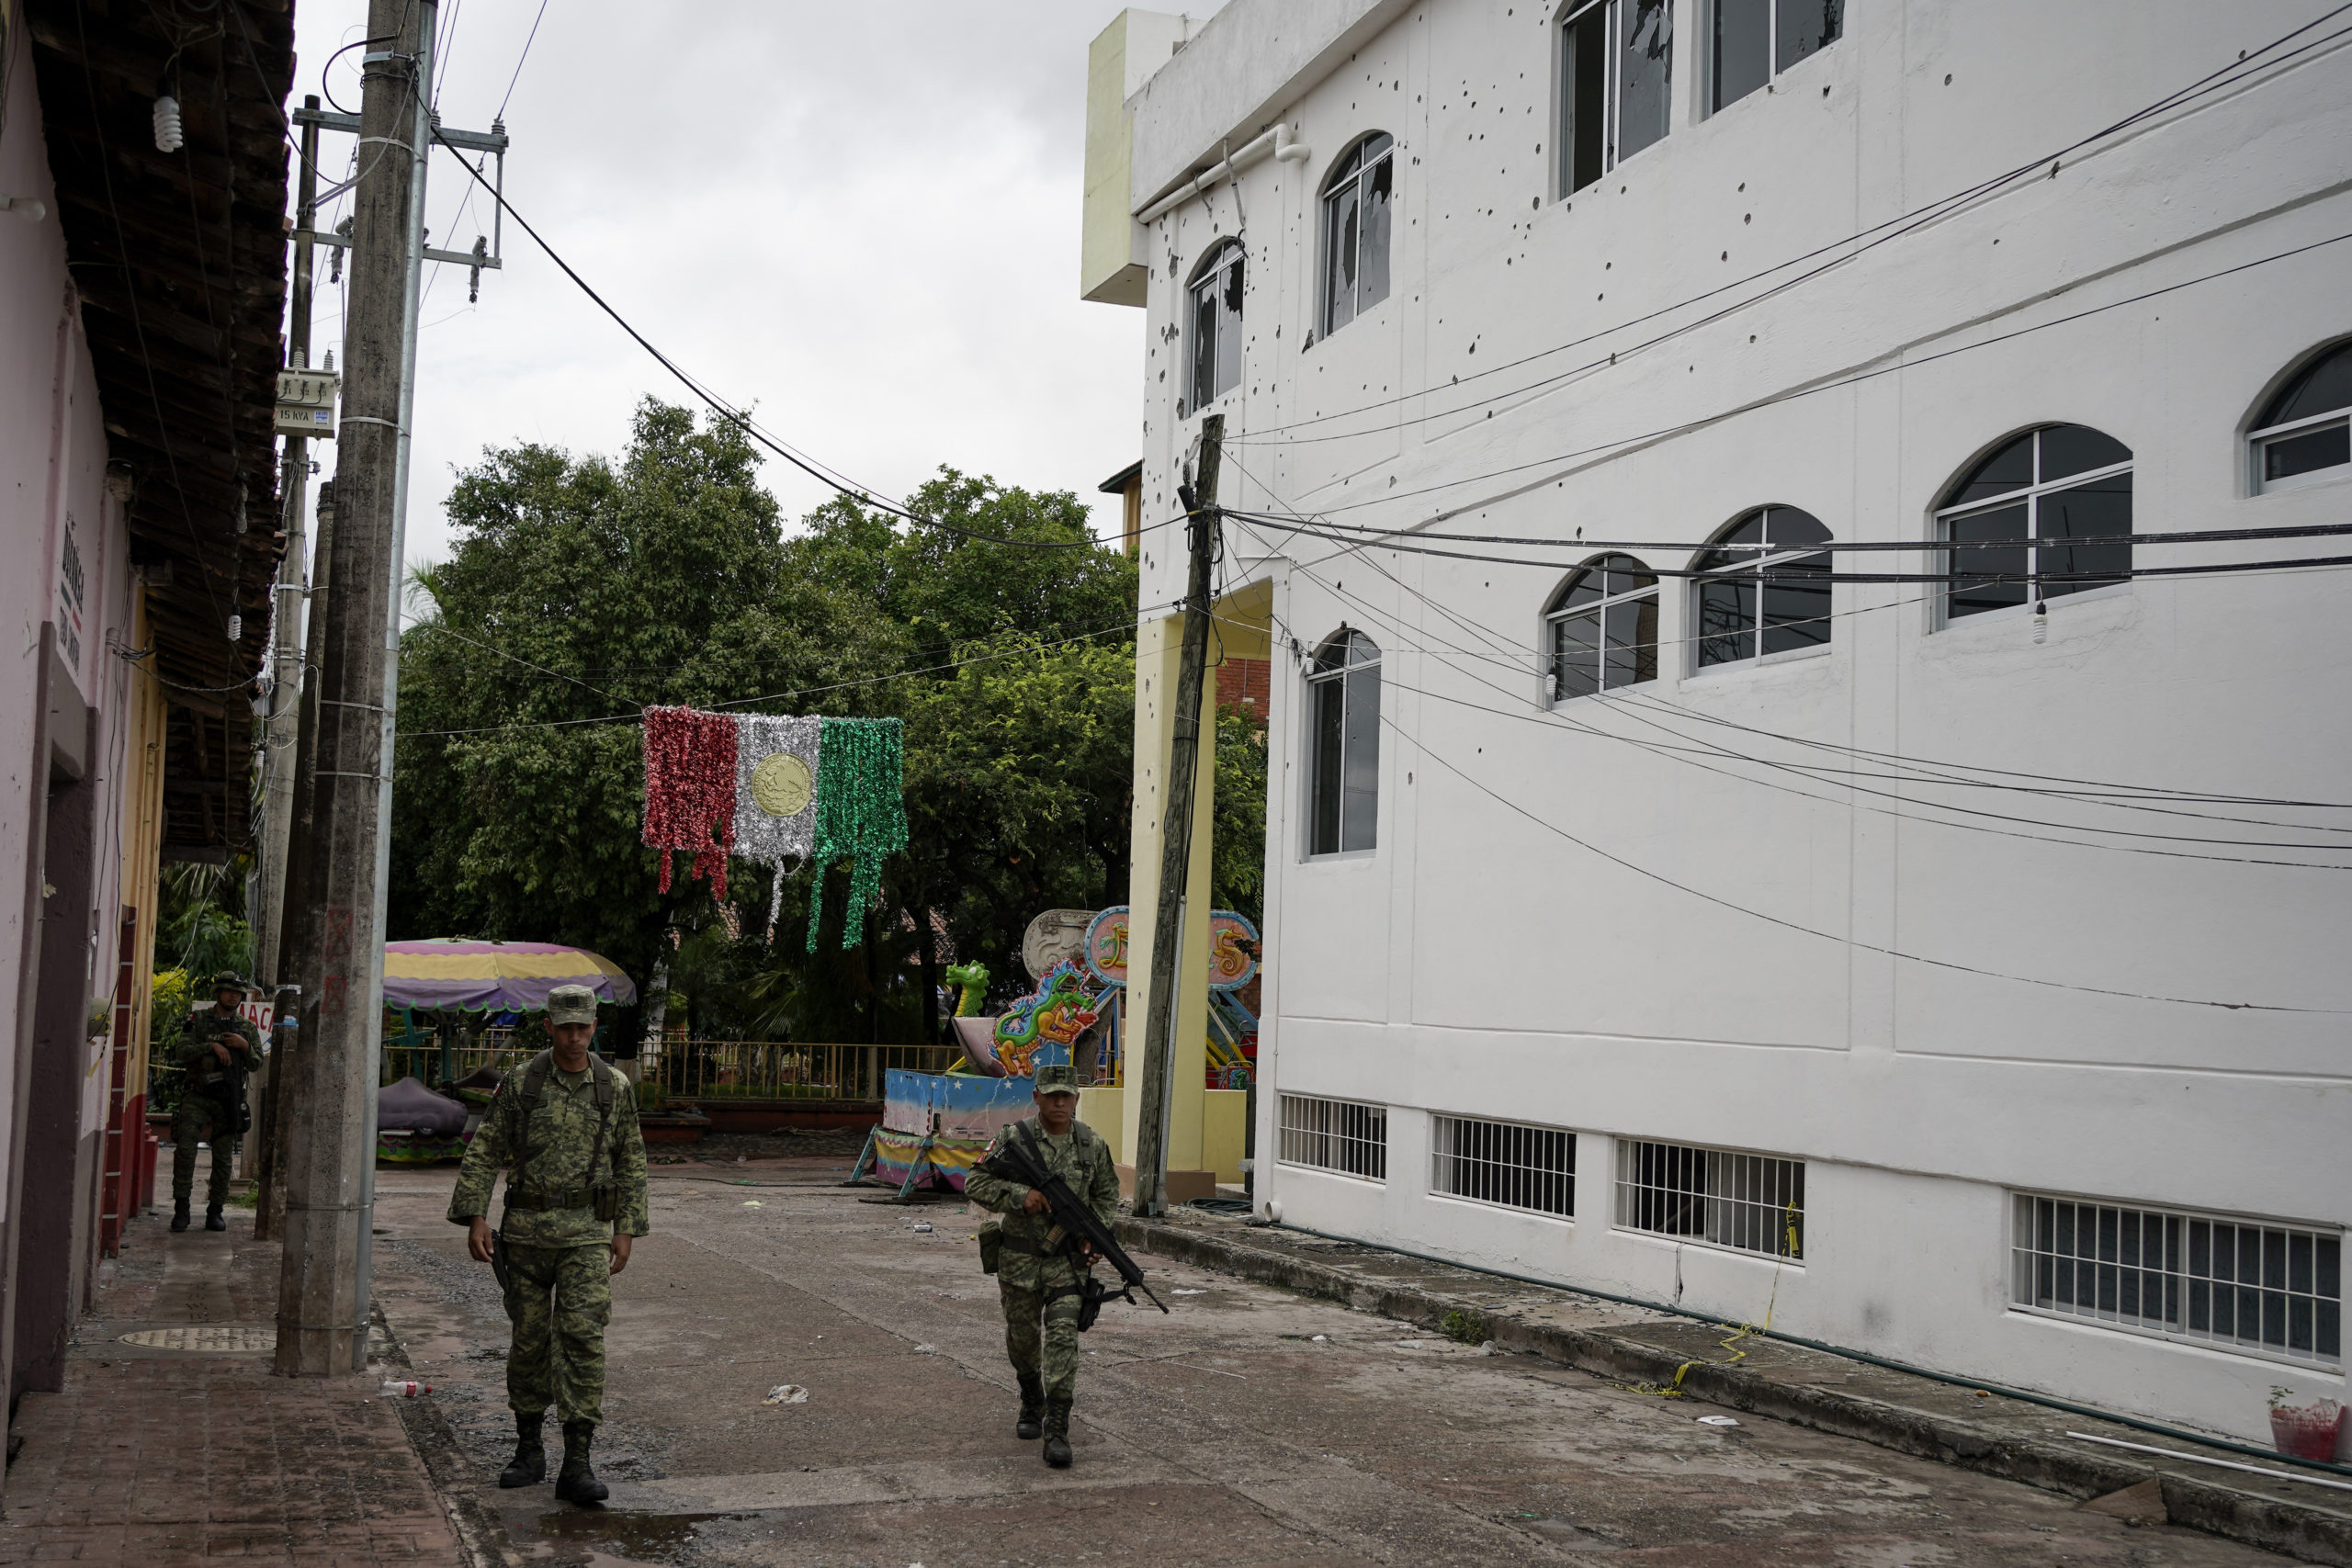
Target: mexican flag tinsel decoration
column 776, row 789
column 776, row 794
column 690, row 790
column 860, row 812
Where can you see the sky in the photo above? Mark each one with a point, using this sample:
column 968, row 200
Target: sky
column 861, row 220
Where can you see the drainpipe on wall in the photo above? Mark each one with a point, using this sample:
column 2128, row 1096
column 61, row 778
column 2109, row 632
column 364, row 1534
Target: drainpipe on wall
column 1276, row 142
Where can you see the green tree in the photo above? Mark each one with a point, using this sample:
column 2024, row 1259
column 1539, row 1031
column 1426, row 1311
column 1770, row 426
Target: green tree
column 1238, row 855
column 580, row 590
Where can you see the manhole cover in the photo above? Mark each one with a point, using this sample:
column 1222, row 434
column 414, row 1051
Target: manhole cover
column 216, row 1338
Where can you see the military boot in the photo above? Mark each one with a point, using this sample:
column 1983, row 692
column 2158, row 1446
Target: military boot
column 212, row 1220
column 179, row 1213
column 1032, row 1406
column 530, row 1466
column 575, row 1483
column 1058, row 1433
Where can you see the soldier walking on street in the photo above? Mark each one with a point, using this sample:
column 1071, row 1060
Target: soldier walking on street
column 566, row 1122
column 222, row 1049
column 1037, row 1277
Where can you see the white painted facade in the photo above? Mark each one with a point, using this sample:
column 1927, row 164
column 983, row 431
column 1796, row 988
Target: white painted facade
column 1478, row 963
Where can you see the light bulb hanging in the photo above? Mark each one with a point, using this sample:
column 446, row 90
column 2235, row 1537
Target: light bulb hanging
column 169, row 134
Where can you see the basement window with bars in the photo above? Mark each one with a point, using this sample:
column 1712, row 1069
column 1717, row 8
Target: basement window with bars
column 1336, row 1136
column 1747, row 1203
column 1505, row 1163
column 2259, row 1286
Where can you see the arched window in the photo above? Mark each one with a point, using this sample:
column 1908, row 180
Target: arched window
column 1356, row 201
column 1763, row 593
column 2047, row 513
column 1216, row 324
column 2305, row 433
column 1602, row 628
column 1343, row 697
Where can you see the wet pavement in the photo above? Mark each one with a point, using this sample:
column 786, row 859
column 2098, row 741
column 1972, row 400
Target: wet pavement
column 1249, row 1427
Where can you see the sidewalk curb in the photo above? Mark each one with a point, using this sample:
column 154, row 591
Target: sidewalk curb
column 482, row 1534
column 2311, row 1534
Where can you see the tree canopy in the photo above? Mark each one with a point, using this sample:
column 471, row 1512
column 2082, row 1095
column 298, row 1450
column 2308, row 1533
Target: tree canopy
column 580, row 590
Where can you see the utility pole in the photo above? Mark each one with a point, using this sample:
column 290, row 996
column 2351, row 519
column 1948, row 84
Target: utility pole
column 337, row 949
column 285, row 634
column 277, row 787
column 269, row 1209
column 1176, row 832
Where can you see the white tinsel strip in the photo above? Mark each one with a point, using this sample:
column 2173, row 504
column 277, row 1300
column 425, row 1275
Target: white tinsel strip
column 776, row 794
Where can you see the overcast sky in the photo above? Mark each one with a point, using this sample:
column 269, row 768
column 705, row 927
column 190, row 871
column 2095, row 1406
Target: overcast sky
column 863, row 218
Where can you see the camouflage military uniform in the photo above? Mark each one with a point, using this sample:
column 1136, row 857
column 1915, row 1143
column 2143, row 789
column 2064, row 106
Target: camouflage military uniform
column 1034, row 1287
column 557, row 1254
column 206, row 1109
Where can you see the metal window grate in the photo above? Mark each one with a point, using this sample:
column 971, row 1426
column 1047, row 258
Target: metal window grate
column 1747, row 1202
column 1334, row 1135
column 1507, row 1163
column 2273, row 1289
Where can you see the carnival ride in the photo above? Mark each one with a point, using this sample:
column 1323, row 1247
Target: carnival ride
column 935, row 1126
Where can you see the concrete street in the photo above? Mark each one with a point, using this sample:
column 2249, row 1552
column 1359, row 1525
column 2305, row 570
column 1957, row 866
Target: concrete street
column 1248, row 1427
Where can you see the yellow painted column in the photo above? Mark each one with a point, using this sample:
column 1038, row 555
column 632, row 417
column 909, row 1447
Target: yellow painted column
column 1158, row 644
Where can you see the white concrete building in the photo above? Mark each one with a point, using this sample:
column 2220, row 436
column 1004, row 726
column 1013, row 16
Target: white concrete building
column 1951, row 970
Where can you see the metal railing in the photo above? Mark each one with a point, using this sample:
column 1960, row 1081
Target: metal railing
column 718, row 1070
column 428, row 1059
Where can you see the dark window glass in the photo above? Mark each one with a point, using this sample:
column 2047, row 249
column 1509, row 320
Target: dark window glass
column 2100, row 511
column 1612, row 639
column 2322, row 388
column 2078, row 449
column 1807, row 26
column 1205, row 343
column 1229, row 330
column 1584, row 72
column 1576, row 656
column 1971, row 594
column 1645, row 72
column 1357, row 204
column 1345, row 691
column 1216, row 327
column 1726, row 619
column 2009, row 468
column 2291, row 455
column 1331, row 729
column 1743, row 49
column 1796, row 604
column 1359, row 811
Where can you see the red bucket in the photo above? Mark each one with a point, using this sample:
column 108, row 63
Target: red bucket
column 2306, row 1431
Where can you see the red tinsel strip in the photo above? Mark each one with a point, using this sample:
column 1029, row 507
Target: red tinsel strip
column 690, row 790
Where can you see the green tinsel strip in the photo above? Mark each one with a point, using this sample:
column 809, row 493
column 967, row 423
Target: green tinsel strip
column 860, row 812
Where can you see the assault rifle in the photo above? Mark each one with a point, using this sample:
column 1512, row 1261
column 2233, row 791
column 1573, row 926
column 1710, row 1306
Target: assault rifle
column 1074, row 1223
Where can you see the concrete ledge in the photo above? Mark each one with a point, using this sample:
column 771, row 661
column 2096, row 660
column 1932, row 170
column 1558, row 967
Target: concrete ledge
column 1900, row 1412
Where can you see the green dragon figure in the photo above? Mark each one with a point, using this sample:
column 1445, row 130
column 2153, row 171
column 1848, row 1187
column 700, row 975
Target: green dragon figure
column 974, row 979
column 1061, row 1009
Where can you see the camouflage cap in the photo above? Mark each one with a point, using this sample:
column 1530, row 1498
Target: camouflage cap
column 229, row 980
column 1058, row 1080
column 571, row 1004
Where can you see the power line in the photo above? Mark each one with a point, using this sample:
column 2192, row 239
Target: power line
column 1772, row 399
column 1892, row 229
column 527, row 41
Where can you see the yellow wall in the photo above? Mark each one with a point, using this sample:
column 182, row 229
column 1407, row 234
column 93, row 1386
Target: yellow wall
column 1225, row 1122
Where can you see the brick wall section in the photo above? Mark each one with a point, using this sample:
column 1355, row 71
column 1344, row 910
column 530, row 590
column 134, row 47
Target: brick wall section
column 1245, row 683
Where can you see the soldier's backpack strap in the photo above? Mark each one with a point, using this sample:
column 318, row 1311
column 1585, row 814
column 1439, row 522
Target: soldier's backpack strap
column 534, row 1083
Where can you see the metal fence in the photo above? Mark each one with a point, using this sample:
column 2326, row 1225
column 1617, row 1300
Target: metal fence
column 1506, row 1163
column 430, row 1059
column 2246, row 1285
column 1334, row 1135
column 713, row 1070
column 1748, row 1202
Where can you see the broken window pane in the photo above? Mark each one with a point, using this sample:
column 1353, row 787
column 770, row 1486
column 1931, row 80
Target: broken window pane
column 1806, row 27
column 1374, row 286
column 1339, row 222
column 1645, row 72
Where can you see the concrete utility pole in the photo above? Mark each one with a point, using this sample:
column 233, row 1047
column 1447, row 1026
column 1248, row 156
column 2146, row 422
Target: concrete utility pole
column 337, row 948
column 278, row 778
column 1176, row 832
column 286, row 663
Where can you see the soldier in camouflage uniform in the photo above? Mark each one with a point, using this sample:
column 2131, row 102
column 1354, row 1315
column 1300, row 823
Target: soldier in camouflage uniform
column 566, row 1122
column 1037, row 1285
column 221, row 1048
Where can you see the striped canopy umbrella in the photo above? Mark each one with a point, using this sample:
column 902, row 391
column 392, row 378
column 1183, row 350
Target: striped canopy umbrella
column 495, row 976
